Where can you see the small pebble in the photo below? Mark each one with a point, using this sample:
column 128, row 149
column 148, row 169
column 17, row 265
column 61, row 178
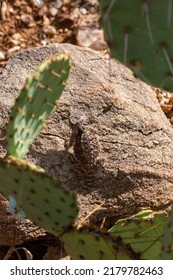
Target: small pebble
column 49, row 30
column 27, row 19
column 58, row 4
column 13, row 50
column 53, row 11
column 83, row 11
column 2, row 56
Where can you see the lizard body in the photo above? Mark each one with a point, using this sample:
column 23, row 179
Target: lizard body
column 84, row 141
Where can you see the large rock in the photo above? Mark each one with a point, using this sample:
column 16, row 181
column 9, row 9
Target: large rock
column 135, row 137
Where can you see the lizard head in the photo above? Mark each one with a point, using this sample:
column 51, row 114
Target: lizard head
column 77, row 121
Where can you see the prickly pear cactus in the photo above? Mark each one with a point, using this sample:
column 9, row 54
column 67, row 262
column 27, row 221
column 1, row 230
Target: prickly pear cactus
column 140, row 35
column 41, row 197
column 35, row 102
column 167, row 241
column 143, row 232
column 94, row 244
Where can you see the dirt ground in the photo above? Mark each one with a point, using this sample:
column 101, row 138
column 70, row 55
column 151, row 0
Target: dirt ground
column 23, row 24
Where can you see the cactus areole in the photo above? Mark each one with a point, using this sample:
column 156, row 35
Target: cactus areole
column 140, row 35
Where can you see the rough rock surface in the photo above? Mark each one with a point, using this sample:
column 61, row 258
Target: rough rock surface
column 135, row 137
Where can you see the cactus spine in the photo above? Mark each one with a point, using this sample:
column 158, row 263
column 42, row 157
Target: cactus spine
column 140, row 34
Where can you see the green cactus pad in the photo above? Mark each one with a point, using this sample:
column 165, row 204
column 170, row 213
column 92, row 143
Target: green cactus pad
column 167, row 241
column 42, row 198
column 35, row 103
column 143, row 232
column 93, row 244
column 140, row 35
